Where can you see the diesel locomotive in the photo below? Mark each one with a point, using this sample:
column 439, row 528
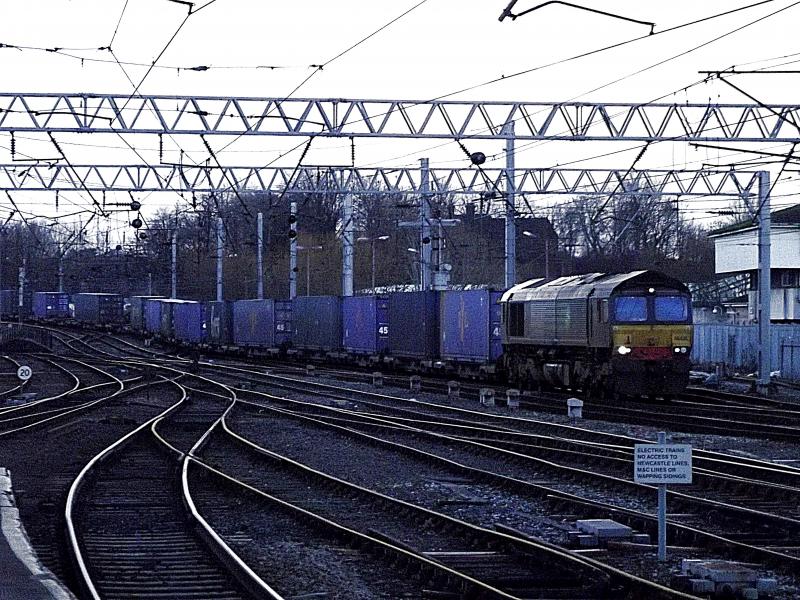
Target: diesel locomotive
column 623, row 334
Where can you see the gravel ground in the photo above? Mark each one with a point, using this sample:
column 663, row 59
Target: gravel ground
column 294, row 558
column 439, row 489
column 529, row 517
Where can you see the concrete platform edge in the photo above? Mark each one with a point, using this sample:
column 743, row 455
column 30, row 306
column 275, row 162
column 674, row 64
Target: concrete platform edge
column 15, row 537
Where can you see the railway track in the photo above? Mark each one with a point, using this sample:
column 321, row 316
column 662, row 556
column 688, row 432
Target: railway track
column 762, row 518
column 535, row 456
column 508, row 564
column 130, row 530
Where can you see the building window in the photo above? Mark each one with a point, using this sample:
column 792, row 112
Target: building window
column 789, row 279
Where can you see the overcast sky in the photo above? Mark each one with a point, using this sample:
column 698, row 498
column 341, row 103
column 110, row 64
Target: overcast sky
column 439, row 47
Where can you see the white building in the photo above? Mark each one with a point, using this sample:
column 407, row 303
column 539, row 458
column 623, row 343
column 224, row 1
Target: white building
column 736, row 251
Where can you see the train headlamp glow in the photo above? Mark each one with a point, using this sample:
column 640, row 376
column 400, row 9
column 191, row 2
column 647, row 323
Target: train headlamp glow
column 623, row 350
column 677, row 350
column 652, row 290
column 681, row 349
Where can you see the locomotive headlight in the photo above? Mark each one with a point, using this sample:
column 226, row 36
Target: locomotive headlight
column 677, row 350
column 623, row 350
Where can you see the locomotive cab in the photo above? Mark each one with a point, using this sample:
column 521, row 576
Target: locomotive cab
column 651, row 339
column 627, row 334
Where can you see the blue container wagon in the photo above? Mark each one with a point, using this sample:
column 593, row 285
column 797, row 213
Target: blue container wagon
column 189, row 322
column 365, row 324
column 167, row 330
column 262, row 324
column 219, row 320
column 9, row 303
column 470, row 323
column 137, row 311
column 152, row 315
column 98, row 309
column 414, row 325
column 317, row 323
column 51, row 305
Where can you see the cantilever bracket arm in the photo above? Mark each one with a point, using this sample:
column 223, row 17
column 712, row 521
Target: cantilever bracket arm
column 507, row 12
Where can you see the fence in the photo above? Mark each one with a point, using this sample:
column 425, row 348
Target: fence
column 12, row 332
column 736, row 346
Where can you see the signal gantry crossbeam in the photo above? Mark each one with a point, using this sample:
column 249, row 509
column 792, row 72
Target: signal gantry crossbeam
column 441, row 119
column 349, row 180
column 422, row 119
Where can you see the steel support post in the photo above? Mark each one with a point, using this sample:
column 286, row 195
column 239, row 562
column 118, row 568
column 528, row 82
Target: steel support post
column 764, row 285
column 348, row 244
column 373, row 265
column 21, row 296
column 293, row 253
column 662, row 510
column 426, row 276
column 60, row 271
column 308, row 271
column 174, row 266
column 260, row 256
column 511, row 230
column 219, row 259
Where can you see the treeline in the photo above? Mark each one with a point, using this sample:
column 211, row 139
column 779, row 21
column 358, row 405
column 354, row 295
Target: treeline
column 584, row 234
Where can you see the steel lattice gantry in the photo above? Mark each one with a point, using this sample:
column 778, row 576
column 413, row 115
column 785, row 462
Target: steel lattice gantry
column 441, row 119
column 348, row 180
column 422, row 119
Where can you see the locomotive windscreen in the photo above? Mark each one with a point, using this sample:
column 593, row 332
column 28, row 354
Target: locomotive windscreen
column 671, row 309
column 630, row 309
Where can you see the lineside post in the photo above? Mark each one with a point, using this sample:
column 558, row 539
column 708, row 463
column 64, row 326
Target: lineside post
column 174, row 265
column 426, row 271
column 662, row 509
column 510, row 202
column 764, row 284
column 219, row 259
column 348, row 244
column 293, row 251
column 260, row 256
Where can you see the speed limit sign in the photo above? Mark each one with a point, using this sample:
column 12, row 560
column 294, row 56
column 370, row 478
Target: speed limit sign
column 24, row 373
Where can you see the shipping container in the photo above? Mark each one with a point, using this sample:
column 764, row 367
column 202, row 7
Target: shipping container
column 168, row 305
column 260, row 323
column 9, row 303
column 137, row 311
column 283, row 323
column 317, row 323
column 219, row 320
column 99, row 309
column 152, row 315
column 365, row 324
column 414, row 324
column 49, row 305
column 470, row 326
column 189, row 322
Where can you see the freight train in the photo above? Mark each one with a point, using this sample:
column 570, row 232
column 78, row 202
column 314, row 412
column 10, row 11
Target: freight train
column 605, row 334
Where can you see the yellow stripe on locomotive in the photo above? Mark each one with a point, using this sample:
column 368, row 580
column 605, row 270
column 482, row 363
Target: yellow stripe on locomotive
column 652, row 342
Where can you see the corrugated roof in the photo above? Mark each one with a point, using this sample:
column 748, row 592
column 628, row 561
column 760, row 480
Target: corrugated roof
column 582, row 286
